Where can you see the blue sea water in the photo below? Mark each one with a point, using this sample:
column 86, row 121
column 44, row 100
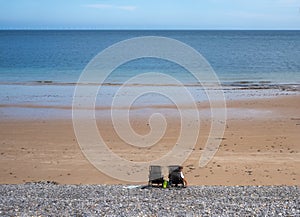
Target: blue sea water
column 32, row 60
column 60, row 56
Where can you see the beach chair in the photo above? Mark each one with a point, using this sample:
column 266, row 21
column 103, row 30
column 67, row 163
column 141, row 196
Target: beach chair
column 155, row 176
column 174, row 177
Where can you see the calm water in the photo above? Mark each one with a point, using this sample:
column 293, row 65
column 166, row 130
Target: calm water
column 239, row 58
column 59, row 56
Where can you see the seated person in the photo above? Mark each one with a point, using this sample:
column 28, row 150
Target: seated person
column 176, row 177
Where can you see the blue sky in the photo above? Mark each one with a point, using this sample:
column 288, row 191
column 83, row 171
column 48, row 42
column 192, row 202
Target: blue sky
column 151, row 14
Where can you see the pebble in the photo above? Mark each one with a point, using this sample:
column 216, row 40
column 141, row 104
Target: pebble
column 52, row 199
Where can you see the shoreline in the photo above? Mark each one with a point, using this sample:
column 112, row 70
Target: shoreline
column 234, row 105
column 235, row 84
column 244, row 104
column 55, row 102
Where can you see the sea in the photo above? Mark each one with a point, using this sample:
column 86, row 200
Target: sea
column 39, row 69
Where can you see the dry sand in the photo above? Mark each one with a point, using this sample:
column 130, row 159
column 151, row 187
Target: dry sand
column 260, row 147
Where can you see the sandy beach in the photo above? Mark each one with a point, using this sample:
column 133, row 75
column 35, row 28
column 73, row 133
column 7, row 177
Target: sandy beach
column 260, row 147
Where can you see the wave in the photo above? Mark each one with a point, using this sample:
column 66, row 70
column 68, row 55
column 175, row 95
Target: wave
column 240, row 85
column 135, row 107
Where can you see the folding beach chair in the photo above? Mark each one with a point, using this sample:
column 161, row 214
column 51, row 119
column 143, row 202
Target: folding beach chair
column 155, row 176
column 174, row 176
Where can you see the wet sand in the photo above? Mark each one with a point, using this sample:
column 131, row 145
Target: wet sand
column 260, row 147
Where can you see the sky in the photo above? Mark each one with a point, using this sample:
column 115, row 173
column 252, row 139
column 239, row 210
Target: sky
column 150, row 14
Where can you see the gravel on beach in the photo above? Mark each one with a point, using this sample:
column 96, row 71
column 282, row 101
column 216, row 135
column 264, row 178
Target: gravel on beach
column 50, row 199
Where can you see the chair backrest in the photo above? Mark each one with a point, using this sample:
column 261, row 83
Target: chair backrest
column 154, row 172
column 172, row 168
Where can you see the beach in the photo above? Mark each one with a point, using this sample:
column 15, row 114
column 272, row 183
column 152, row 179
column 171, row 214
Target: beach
column 72, row 143
column 260, row 146
column 41, row 199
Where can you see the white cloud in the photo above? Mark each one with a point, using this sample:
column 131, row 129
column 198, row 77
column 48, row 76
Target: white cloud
column 105, row 6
